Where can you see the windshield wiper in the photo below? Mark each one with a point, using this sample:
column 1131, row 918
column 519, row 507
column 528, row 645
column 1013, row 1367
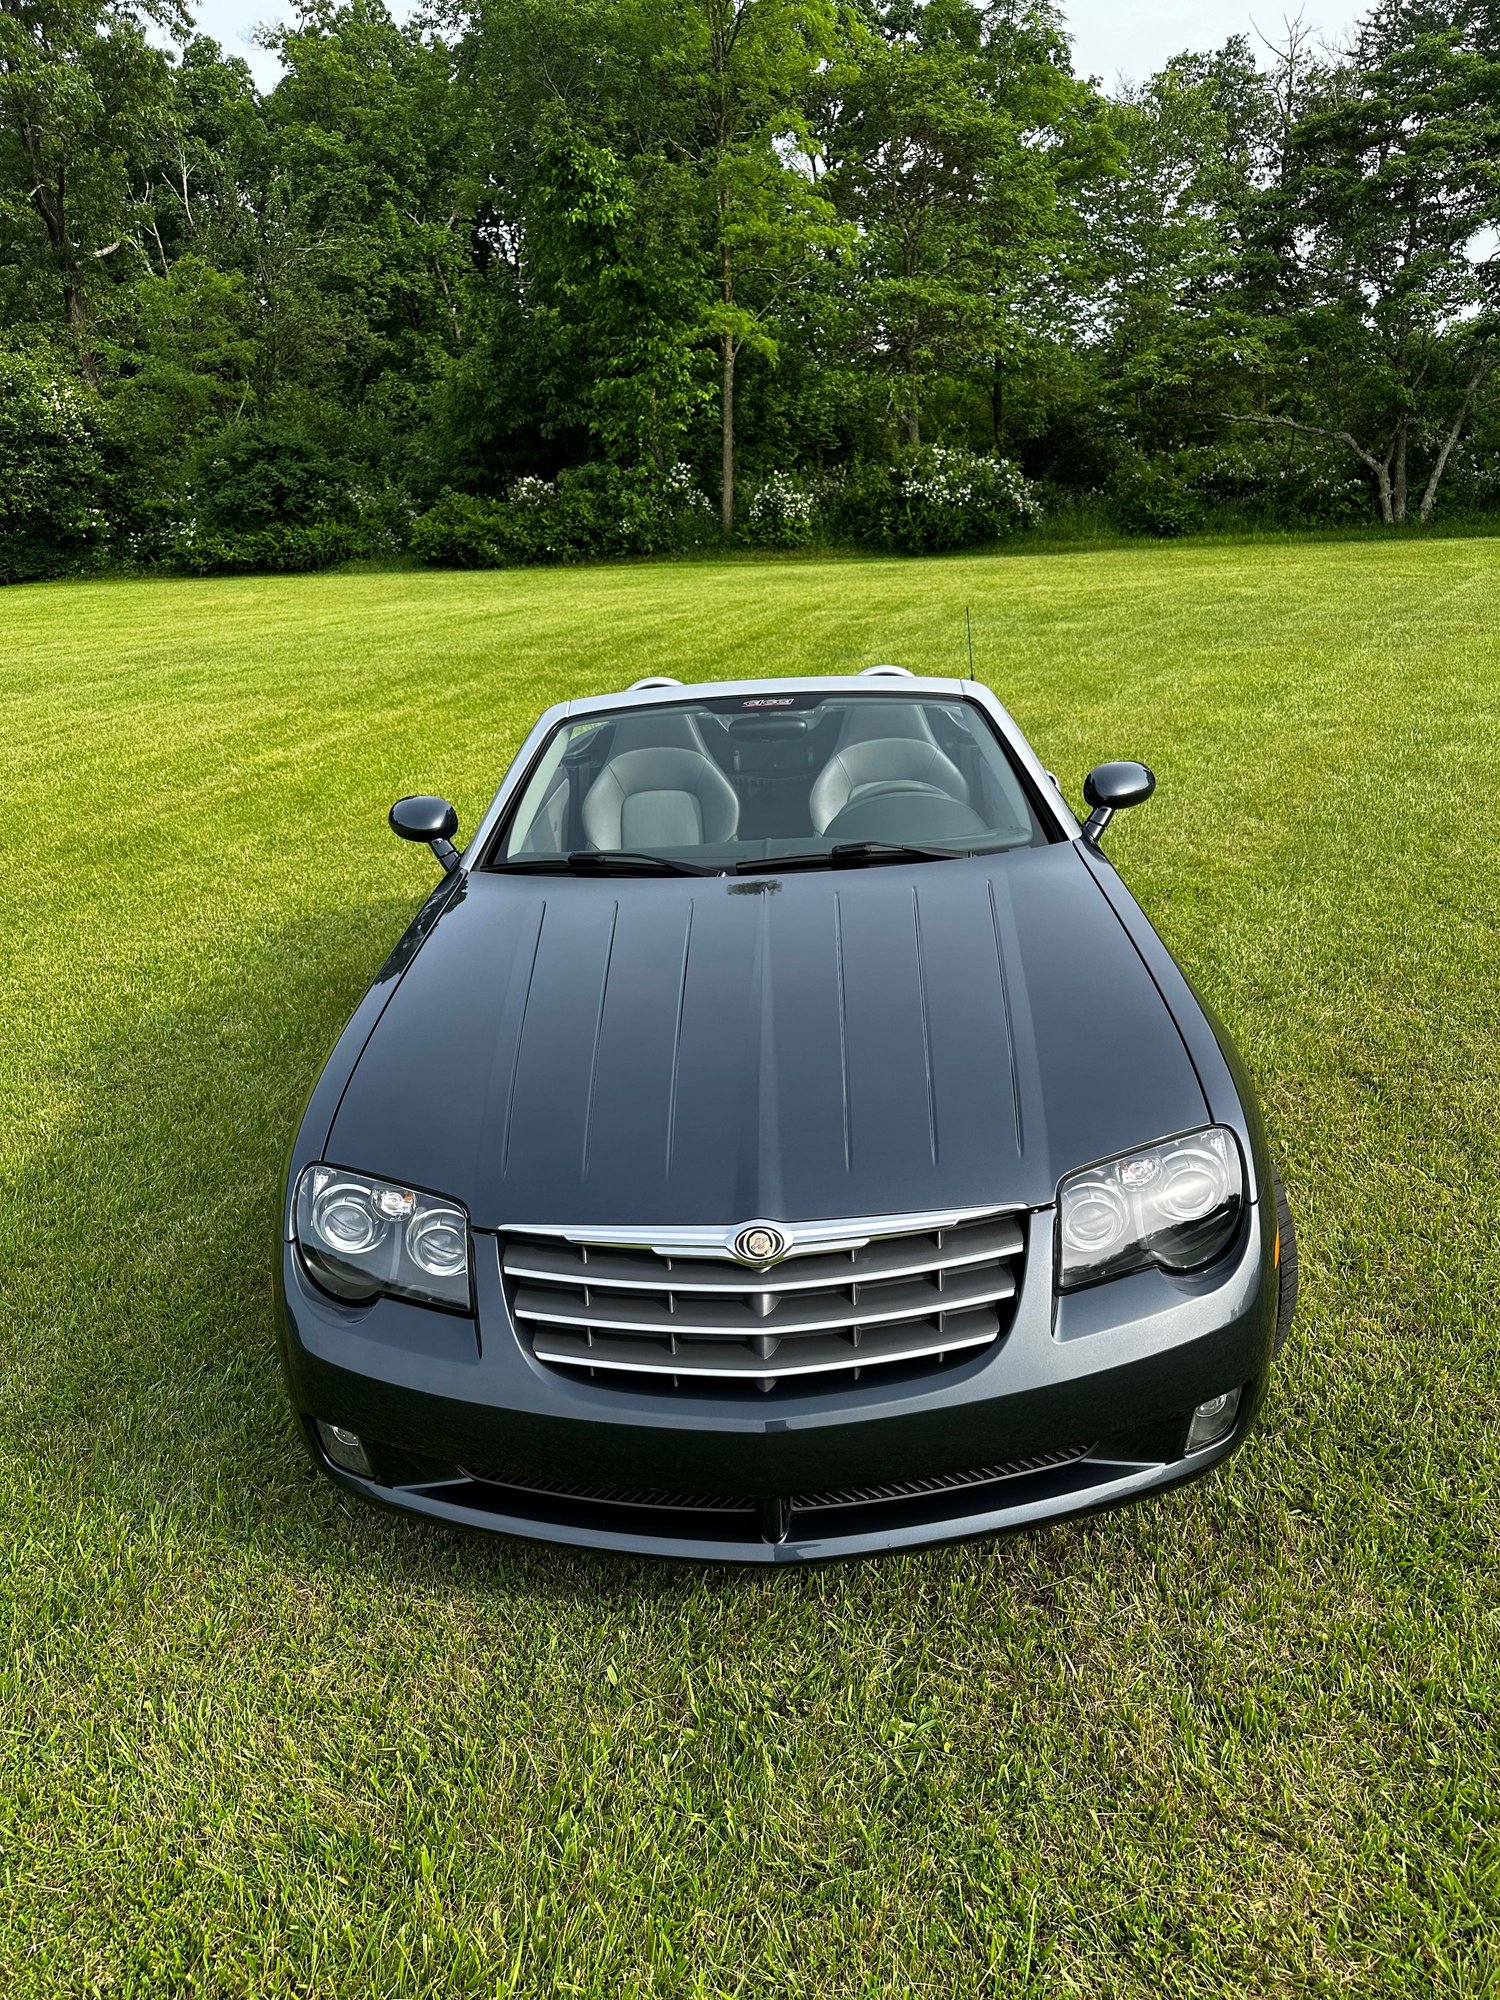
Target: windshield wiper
column 600, row 861
column 851, row 854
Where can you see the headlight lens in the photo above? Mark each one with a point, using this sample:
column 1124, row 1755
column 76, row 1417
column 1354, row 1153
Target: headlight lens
column 1175, row 1205
column 360, row 1236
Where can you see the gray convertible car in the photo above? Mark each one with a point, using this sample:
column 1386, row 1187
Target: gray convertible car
column 780, row 1135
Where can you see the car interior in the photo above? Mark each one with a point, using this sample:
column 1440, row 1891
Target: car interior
column 762, row 776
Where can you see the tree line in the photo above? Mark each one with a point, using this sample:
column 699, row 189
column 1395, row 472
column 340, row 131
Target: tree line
column 532, row 279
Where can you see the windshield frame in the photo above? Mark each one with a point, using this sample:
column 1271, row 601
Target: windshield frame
column 1055, row 821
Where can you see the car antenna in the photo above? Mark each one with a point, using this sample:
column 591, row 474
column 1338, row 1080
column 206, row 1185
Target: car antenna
column 969, row 635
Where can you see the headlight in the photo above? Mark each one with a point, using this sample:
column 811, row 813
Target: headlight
column 359, row 1236
column 1175, row 1205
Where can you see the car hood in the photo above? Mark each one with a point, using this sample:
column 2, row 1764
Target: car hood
column 681, row 1050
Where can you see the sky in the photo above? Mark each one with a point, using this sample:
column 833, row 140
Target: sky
column 1111, row 38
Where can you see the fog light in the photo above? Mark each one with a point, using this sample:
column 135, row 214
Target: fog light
column 345, row 1448
column 1213, row 1420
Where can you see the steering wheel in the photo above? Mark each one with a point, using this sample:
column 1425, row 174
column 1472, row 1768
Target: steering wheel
column 904, row 809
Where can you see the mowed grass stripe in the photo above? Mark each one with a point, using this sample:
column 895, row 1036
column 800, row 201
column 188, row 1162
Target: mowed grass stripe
column 259, row 1741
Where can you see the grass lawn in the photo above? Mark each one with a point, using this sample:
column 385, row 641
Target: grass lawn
column 257, row 1740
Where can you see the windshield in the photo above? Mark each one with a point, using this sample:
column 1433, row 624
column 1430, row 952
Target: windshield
column 746, row 781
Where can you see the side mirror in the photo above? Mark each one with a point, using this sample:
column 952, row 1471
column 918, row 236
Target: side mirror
column 1110, row 788
column 431, row 820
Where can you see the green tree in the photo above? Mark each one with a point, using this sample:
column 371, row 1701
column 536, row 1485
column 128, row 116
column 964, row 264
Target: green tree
column 1170, row 278
column 587, row 223
column 650, row 179
column 1386, row 334
column 84, row 102
column 752, row 64
column 362, row 241
column 944, row 131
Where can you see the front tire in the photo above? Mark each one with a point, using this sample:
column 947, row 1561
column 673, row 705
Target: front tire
column 1286, row 1269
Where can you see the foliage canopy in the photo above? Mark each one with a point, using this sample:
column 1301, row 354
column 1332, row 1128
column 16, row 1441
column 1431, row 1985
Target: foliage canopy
column 731, row 243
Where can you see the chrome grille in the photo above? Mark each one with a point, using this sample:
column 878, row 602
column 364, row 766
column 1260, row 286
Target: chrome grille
column 910, row 1290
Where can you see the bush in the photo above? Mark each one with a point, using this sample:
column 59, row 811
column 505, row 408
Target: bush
column 266, row 475
column 462, row 532
column 785, row 511
column 265, row 551
column 268, row 498
column 936, row 499
column 1154, row 499
column 1270, row 477
column 587, row 512
column 54, row 476
column 1248, row 479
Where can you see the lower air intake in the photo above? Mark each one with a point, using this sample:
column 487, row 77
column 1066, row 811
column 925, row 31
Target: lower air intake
column 640, row 1497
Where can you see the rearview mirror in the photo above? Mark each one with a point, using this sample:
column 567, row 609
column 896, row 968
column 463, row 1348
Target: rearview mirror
column 1110, row 788
column 428, row 819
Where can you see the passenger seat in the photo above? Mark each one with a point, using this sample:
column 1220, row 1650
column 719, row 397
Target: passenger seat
column 883, row 745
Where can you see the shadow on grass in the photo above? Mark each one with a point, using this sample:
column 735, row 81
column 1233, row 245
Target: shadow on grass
column 138, row 1255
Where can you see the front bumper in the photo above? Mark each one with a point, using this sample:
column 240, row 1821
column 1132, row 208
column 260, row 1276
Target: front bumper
column 1085, row 1402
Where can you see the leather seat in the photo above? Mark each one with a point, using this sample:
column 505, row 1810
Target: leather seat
column 660, row 797
column 658, row 729
column 648, row 730
column 883, row 746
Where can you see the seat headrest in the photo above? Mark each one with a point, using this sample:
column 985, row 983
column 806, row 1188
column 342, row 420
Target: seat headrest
column 682, row 798
column 865, row 720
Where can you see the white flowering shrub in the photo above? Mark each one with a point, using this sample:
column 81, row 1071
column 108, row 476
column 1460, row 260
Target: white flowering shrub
column 529, row 491
column 53, row 475
column 1473, row 477
column 953, row 499
column 587, row 512
column 683, row 494
column 938, row 498
column 784, row 511
column 1292, row 480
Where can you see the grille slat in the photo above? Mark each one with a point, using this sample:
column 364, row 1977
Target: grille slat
column 738, row 1319
column 934, row 1287
column 897, row 1257
column 809, row 1355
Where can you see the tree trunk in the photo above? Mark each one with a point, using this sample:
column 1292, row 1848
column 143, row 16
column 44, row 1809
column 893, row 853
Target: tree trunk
column 1383, row 493
column 726, row 391
column 1475, row 384
column 726, row 412
column 50, row 200
column 78, row 327
column 913, row 412
column 1398, row 473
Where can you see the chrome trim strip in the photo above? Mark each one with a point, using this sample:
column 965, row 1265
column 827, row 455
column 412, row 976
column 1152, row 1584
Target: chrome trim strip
column 804, row 1238
column 734, row 1283
column 747, row 1327
column 747, row 1371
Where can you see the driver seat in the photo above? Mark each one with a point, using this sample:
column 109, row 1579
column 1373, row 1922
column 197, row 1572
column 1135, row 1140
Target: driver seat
column 904, row 756
column 666, row 796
